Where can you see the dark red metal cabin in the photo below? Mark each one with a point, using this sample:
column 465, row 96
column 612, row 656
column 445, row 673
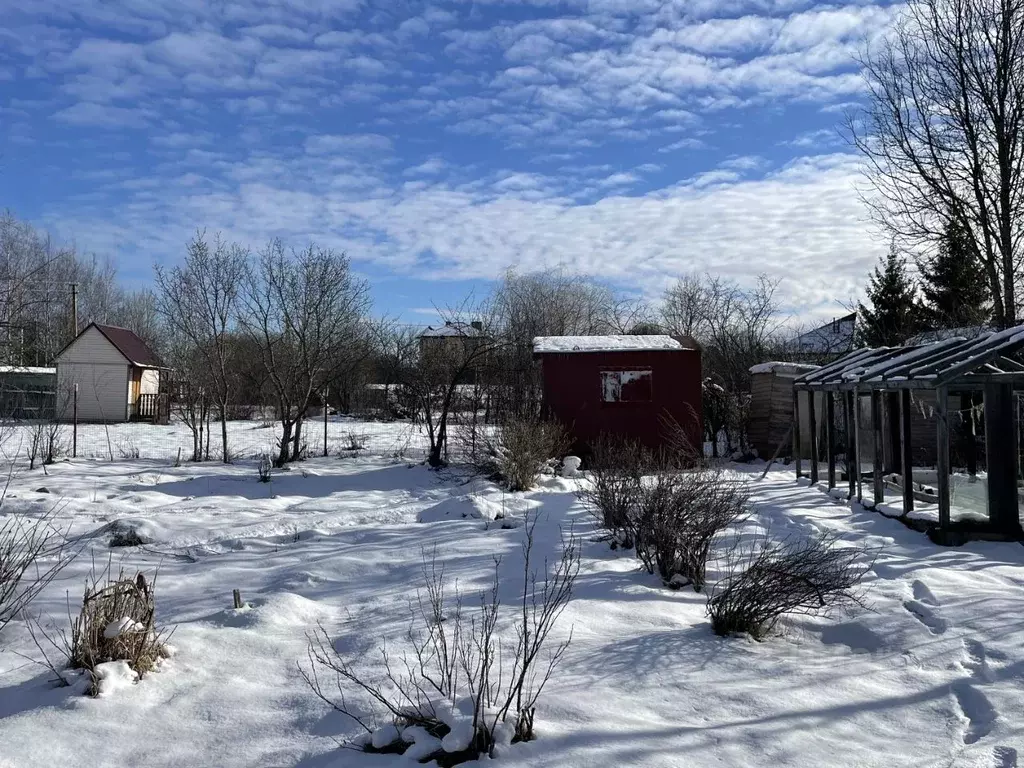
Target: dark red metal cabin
column 625, row 386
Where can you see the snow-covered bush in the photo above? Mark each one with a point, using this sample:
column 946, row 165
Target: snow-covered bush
column 459, row 691
column 807, row 576
column 32, row 553
column 678, row 516
column 116, row 624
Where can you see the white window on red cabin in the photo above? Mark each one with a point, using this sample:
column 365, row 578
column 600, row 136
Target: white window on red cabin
column 626, row 386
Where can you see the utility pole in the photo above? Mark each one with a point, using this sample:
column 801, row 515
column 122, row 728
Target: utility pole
column 74, row 310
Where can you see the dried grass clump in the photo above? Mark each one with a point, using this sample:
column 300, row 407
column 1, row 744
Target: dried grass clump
column 117, row 624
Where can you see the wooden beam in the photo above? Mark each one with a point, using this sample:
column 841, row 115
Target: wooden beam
column 892, row 422
column 856, row 443
column 1010, row 364
column 942, row 460
column 830, row 440
column 876, row 464
column 796, row 431
column 982, row 350
column 1001, row 442
column 906, row 451
column 971, row 452
column 924, row 363
column 812, row 425
column 851, row 442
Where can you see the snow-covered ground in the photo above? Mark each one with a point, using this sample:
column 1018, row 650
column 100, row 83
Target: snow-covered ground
column 932, row 674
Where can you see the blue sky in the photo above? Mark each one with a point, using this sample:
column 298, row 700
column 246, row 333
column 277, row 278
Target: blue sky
column 440, row 143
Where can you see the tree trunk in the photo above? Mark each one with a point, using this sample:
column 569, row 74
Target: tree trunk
column 226, row 457
column 284, row 455
column 296, row 440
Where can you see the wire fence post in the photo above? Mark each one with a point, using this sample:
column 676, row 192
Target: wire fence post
column 325, row 421
column 74, row 423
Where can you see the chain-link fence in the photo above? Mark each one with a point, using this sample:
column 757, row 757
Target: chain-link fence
column 246, row 439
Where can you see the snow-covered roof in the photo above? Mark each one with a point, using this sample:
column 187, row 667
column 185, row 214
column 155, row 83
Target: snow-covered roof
column 941, row 363
column 27, row 369
column 941, row 334
column 778, row 367
column 617, row 343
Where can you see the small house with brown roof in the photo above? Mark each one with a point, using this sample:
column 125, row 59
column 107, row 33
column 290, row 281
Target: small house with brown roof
column 116, row 374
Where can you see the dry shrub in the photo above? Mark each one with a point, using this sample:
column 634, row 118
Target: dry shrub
column 116, row 624
column 678, row 517
column 614, row 484
column 128, row 449
column 806, row 576
column 517, row 451
column 458, row 691
column 355, row 443
column 32, row 553
column 264, row 468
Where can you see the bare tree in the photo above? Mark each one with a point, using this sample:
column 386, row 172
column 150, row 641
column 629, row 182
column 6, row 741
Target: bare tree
column 300, row 310
column 737, row 328
column 943, row 132
column 395, row 351
column 522, row 307
column 192, row 403
column 199, row 300
column 443, row 365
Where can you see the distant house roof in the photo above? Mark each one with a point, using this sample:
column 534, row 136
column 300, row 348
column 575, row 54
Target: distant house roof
column 453, row 328
column 620, row 343
column 128, row 343
column 834, row 336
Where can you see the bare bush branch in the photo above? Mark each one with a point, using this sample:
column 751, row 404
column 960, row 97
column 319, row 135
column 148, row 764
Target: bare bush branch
column 773, row 578
column 456, row 691
column 32, row 553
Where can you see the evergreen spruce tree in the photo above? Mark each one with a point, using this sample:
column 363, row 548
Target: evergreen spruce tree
column 894, row 313
column 953, row 283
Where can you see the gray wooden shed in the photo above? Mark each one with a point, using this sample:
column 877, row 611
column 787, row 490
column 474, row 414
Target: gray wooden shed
column 771, row 406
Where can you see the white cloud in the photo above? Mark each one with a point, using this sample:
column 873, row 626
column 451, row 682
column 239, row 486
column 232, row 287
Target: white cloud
column 429, row 168
column 802, row 223
column 381, row 128
column 104, row 115
column 349, row 143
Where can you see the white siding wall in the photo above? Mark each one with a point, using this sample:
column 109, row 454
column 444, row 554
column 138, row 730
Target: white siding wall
column 150, row 382
column 101, row 373
column 102, row 389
